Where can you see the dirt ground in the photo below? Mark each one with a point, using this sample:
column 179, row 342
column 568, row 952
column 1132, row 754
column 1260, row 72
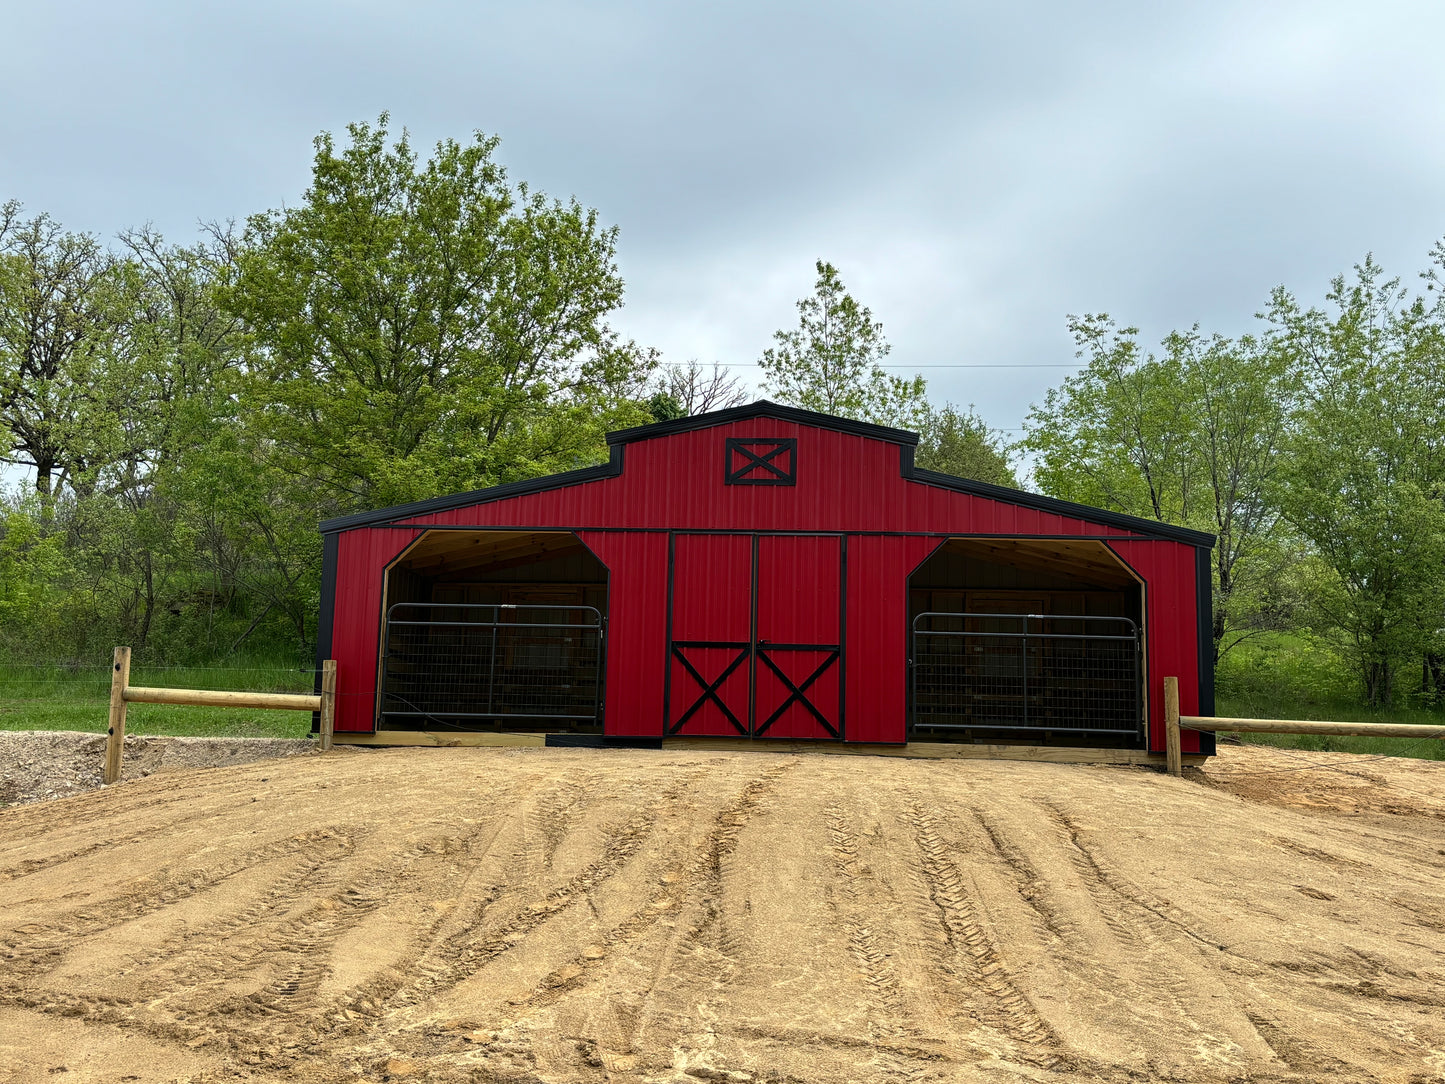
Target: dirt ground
column 577, row 915
column 37, row 765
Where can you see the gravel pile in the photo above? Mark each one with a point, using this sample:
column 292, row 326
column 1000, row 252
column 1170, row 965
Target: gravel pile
column 37, row 765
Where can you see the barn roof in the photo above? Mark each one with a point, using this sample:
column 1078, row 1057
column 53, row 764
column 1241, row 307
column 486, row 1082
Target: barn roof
column 906, row 441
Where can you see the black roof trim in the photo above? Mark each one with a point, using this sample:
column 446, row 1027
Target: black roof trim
column 1039, row 502
column 611, row 469
column 763, row 409
column 618, row 441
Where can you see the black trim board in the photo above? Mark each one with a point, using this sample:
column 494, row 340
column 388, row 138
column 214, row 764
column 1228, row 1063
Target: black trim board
column 617, row 442
column 762, row 408
column 326, row 619
column 1204, row 604
column 611, row 469
column 1137, row 524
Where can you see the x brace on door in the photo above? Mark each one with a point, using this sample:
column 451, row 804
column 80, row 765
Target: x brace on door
column 709, row 689
column 798, row 693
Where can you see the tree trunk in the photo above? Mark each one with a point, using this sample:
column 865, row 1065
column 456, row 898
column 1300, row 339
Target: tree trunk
column 1377, row 683
column 150, row 603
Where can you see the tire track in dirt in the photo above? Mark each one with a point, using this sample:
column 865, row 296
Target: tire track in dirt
column 465, row 953
column 42, row 945
column 36, row 865
column 863, row 943
column 967, row 941
column 1138, row 919
column 1158, row 915
column 692, row 887
column 1177, row 950
column 1297, row 1053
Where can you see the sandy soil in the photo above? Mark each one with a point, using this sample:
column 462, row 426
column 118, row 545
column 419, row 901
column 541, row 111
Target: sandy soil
column 38, row 765
column 577, row 915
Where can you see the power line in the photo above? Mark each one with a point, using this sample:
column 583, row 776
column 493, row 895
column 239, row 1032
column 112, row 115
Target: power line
column 895, row 365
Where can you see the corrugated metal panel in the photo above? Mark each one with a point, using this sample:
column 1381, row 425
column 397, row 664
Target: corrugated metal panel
column 877, row 644
column 636, row 628
column 799, row 601
column 712, row 579
column 1171, row 629
column 845, row 483
column 361, row 560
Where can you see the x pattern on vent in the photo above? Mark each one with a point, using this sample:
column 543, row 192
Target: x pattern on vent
column 751, row 462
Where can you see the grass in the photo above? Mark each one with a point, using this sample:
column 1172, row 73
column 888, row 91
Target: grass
column 1422, row 749
column 66, row 698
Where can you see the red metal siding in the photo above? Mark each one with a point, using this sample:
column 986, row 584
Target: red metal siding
column 845, row 483
column 1171, row 629
column 712, row 579
column 799, row 596
column 877, row 643
column 636, row 628
column 361, row 560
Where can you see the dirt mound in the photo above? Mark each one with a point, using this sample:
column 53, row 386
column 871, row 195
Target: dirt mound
column 36, row 765
column 580, row 915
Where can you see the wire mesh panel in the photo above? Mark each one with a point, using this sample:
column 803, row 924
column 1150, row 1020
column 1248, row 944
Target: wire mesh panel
column 1026, row 674
column 471, row 666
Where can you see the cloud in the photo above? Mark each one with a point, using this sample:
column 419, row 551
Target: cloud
column 976, row 171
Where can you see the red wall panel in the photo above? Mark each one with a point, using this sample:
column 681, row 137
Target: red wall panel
column 361, row 559
column 1171, row 629
column 799, row 600
column 712, row 580
column 845, row 484
column 636, row 628
column 877, row 645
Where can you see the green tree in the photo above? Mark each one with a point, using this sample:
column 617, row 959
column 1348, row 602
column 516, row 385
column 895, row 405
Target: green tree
column 1190, row 436
column 960, row 443
column 56, row 320
column 426, row 327
column 1365, row 480
column 831, row 361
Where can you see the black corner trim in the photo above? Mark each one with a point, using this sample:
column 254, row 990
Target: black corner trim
column 326, row 619
column 1137, row 524
column 765, row 462
column 611, row 469
column 1204, row 603
column 764, row 409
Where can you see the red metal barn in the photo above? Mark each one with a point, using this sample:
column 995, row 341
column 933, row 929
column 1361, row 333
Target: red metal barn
column 766, row 572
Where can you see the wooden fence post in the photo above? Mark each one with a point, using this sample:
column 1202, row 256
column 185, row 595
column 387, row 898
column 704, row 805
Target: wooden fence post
column 328, row 703
column 1171, row 726
column 115, row 739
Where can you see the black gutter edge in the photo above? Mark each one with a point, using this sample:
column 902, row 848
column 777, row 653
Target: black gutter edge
column 326, row 620
column 1038, row 501
column 611, row 469
column 1204, row 594
column 763, row 409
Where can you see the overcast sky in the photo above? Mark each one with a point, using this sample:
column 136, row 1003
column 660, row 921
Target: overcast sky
column 976, row 171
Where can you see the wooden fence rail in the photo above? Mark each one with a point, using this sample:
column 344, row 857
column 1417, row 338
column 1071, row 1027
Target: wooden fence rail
column 1173, row 722
column 122, row 692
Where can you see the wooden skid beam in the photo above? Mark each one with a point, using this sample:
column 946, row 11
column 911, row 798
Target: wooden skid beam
column 441, row 739
column 917, row 750
column 1297, row 726
column 136, row 694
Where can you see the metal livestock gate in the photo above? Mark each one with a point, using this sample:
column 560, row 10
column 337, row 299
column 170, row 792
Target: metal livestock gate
column 995, row 674
column 448, row 664
column 761, row 573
